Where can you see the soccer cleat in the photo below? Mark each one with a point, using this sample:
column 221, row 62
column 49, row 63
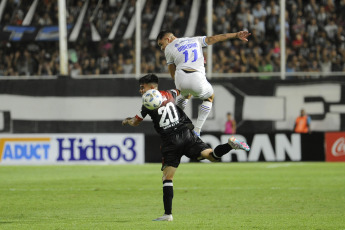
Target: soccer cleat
column 236, row 144
column 165, row 217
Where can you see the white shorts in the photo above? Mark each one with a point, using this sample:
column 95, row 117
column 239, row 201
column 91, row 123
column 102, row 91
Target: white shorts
column 194, row 83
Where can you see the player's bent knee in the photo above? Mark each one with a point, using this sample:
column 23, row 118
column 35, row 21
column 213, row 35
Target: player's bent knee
column 210, row 99
column 207, row 154
column 168, row 173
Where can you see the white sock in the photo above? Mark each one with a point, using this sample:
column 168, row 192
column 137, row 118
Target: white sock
column 204, row 111
column 181, row 102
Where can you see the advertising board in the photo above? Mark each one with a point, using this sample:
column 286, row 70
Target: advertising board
column 335, row 146
column 42, row 149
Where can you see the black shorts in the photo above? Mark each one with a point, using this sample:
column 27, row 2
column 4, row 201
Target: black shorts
column 184, row 142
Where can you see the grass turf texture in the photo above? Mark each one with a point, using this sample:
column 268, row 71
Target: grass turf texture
column 207, row 196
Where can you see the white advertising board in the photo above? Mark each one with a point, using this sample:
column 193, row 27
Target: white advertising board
column 64, row 149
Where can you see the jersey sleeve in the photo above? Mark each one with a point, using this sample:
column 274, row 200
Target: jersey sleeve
column 168, row 55
column 202, row 41
column 142, row 113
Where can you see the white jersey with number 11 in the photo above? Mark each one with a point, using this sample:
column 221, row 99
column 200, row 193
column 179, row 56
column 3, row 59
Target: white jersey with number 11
column 186, row 53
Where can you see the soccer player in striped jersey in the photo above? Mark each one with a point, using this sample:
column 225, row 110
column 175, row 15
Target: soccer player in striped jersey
column 185, row 61
column 178, row 138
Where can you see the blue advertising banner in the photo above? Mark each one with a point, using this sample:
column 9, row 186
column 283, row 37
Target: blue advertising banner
column 52, row 149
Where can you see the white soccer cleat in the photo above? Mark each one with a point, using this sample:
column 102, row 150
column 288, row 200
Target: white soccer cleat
column 236, row 144
column 165, row 217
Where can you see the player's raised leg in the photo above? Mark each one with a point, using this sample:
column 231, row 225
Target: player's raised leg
column 222, row 149
column 181, row 101
column 204, row 111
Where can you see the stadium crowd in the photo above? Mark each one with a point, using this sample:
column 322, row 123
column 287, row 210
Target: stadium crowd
column 315, row 37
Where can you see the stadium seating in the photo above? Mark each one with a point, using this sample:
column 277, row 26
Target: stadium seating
column 104, row 42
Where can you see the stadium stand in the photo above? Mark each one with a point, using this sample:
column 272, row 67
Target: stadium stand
column 101, row 38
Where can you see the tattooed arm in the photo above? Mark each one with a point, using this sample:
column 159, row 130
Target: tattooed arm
column 242, row 35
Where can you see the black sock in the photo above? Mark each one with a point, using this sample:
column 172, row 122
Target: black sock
column 168, row 194
column 221, row 150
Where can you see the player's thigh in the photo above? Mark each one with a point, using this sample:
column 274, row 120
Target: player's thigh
column 206, row 91
column 196, row 147
column 170, row 154
column 195, row 84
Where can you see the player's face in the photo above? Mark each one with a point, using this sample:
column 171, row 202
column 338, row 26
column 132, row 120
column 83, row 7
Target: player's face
column 163, row 42
column 143, row 88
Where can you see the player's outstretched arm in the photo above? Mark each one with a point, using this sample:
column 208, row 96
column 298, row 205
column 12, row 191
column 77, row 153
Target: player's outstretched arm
column 132, row 121
column 242, row 35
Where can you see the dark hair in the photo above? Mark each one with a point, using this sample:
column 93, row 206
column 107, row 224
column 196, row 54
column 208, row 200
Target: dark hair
column 162, row 34
column 148, row 78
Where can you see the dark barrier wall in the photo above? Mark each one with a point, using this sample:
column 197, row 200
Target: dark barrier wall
column 264, row 147
column 98, row 105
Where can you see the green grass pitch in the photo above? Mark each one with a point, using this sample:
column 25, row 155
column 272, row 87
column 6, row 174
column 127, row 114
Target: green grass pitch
column 206, row 196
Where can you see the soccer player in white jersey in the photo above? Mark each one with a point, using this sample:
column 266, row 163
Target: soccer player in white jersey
column 185, row 61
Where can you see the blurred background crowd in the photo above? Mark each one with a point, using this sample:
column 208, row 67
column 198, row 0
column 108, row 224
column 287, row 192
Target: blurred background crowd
column 315, row 37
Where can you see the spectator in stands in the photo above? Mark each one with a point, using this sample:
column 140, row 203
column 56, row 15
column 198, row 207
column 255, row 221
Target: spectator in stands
column 259, row 26
column 75, row 69
column 265, row 66
column 304, row 49
column 312, row 8
column 312, row 30
column 94, row 66
column 297, row 42
column 45, row 68
column 246, row 17
column 299, row 26
column 220, row 9
column 272, row 5
column 290, row 67
column 320, row 23
column 180, row 23
column 257, row 37
column 322, row 16
column 128, row 66
column 271, row 21
column 276, row 49
column 86, row 67
column 259, row 11
column 104, row 62
column 331, row 29
column 221, row 25
column 314, row 66
column 329, row 7
column 325, row 62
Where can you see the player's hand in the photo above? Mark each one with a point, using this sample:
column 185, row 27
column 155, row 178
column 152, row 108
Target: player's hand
column 242, row 35
column 125, row 121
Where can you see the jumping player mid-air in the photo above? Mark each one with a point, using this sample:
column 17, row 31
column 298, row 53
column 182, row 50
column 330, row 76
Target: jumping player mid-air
column 185, row 61
column 178, row 138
